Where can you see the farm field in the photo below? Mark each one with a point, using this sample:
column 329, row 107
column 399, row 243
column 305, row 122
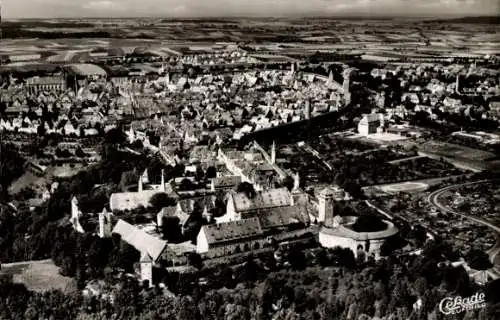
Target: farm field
column 38, row 276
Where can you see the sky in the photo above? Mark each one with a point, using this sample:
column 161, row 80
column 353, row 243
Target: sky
column 15, row 9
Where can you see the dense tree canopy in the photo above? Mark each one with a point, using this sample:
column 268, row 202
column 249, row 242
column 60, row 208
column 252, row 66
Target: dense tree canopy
column 11, row 167
column 161, row 200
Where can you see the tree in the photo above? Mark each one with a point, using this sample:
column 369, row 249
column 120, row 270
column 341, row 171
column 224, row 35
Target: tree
column 391, row 244
column 11, row 166
column 171, row 229
column 211, row 172
column 128, row 178
column 115, row 136
column 195, row 260
column 297, row 259
column 369, row 223
column 186, row 185
column 41, row 130
column 354, row 189
column 80, row 153
column 161, row 200
column 288, row 182
column 493, row 292
column 247, row 189
column 344, row 257
column 125, row 257
column 62, row 153
column 137, row 144
column 478, row 260
column 200, row 175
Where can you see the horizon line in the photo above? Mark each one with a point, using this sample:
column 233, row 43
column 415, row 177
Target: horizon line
column 365, row 16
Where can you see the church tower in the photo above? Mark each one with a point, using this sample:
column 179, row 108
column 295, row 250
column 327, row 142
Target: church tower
column 140, row 187
column 75, row 210
column 296, row 183
column 105, row 224
column 162, row 182
column 346, row 86
column 325, row 205
column 273, row 153
column 307, row 110
column 144, row 178
column 146, row 264
column 75, row 215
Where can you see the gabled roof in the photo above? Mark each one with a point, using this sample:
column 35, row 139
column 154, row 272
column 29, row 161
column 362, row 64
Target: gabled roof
column 232, row 231
column 145, row 257
column 283, row 216
column 262, row 200
column 143, row 242
column 173, row 212
column 189, row 205
column 131, row 200
column 226, row 181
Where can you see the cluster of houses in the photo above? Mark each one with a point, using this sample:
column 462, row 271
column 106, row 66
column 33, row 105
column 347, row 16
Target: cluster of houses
column 233, row 221
column 433, row 87
column 228, row 105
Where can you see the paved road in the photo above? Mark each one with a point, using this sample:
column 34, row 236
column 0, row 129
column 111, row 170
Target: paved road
column 494, row 252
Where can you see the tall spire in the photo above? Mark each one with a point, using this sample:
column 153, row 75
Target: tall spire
column 273, row 153
column 140, row 186
column 143, row 179
column 296, row 182
column 162, row 186
column 105, row 224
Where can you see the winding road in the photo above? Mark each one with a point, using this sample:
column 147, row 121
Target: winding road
column 494, row 252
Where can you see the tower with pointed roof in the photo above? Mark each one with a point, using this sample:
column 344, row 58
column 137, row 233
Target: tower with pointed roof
column 75, row 210
column 330, row 77
column 162, row 183
column 307, row 110
column 146, row 265
column 76, row 215
column 273, row 153
column 105, row 227
column 296, row 183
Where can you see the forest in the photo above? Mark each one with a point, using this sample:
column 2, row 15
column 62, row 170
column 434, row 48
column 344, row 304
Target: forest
column 11, row 167
column 387, row 289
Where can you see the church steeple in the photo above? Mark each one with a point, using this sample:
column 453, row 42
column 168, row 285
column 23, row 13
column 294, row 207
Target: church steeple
column 273, row 153
column 162, row 185
column 296, row 183
column 105, row 224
